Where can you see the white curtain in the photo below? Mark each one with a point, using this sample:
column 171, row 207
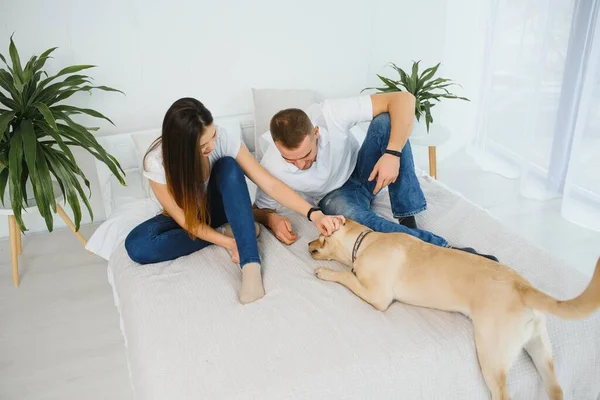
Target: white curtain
column 539, row 115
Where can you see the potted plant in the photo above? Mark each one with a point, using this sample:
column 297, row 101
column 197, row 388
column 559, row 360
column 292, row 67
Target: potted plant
column 36, row 132
column 425, row 87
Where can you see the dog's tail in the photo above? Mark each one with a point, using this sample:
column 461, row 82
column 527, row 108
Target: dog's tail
column 577, row 308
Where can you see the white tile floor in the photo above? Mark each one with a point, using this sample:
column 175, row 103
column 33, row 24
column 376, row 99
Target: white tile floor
column 539, row 222
column 59, row 332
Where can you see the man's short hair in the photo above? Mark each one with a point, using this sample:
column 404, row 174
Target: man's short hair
column 290, row 126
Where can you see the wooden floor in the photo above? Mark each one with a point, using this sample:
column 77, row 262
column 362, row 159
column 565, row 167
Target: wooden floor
column 59, row 331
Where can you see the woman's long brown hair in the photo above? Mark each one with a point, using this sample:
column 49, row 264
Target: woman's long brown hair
column 184, row 123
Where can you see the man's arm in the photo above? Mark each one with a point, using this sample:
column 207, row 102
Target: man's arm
column 261, row 215
column 278, row 224
column 401, row 107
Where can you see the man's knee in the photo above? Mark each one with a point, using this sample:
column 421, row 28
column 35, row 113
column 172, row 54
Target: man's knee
column 381, row 125
column 339, row 205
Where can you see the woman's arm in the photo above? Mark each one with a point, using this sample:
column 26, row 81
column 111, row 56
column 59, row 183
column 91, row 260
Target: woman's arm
column 282, row 193
column 203, row 232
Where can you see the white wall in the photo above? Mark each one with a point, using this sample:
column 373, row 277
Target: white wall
column 157, row 51
column 434, row 31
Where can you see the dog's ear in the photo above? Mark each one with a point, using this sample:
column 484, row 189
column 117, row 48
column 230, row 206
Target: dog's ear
column 322, row 240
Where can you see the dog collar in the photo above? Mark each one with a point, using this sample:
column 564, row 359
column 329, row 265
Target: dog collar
column 357, row 244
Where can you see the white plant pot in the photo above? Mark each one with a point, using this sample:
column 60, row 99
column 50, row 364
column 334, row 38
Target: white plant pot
column 419, row 128
column 30, row 196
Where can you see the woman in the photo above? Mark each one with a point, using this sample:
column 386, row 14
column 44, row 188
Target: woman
column 196, row 171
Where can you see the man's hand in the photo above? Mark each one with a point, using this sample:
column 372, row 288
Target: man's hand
column 327, row 224
column 282, row 228
column 386, row 170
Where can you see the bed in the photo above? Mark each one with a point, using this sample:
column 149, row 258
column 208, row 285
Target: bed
column 188, row 337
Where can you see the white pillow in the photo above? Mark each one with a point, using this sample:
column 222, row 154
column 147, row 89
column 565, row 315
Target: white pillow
column 121, row 195
column 142, row 141
column 115, row 229
column 267, row 102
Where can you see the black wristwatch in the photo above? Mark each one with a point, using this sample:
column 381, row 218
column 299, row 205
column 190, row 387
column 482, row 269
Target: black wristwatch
column 309, row 213
column 393, row 152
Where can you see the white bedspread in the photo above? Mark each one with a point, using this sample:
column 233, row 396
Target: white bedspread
column 189, row 338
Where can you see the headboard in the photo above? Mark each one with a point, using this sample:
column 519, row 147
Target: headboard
column 122, row 146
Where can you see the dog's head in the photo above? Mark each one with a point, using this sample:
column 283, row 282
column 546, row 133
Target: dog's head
column 338, row 246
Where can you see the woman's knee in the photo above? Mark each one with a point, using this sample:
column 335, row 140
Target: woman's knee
column 228, row 170
column 134, row 245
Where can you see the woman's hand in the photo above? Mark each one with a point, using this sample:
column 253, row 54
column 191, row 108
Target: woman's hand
column 327, row 224
column 233, row 250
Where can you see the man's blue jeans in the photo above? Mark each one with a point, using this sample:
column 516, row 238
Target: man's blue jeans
column 161, row 238
column 353, row 199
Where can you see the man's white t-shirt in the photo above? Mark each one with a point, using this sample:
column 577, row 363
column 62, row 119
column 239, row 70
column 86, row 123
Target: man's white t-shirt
column 336, row 155
column 225, row 145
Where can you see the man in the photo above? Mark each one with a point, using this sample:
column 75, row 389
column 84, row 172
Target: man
column 316, row 155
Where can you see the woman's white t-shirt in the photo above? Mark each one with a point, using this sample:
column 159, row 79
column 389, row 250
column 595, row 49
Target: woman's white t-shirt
column 225, row 145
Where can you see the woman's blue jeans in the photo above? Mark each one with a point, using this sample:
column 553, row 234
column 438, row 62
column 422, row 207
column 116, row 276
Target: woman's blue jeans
column 161, row 239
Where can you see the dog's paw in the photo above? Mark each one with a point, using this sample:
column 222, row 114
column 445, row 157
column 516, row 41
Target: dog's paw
column 323, row 273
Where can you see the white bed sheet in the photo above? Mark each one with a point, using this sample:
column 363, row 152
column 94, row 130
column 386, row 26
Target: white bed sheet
column 188, row 337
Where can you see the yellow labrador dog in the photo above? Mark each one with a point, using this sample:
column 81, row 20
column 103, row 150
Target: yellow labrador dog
column 505, row 309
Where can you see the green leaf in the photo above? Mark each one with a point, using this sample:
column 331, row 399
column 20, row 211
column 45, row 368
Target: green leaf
column 53, row 172
column 444, row 96
column 29, row 144
column 104, row 88
column 28, row 70
column 5, row 119
column 7, row 83
column 403, row 77
column 69, row 182
column 76, row 110
column 31, row 86
column 72, row 69
column 24, row 178
column 43, row 190
column 69, row 92
column 429, row 72
column 43, row 58
column 47, row 114
column 435, row 82
column 44, row 93
column 65, row 94
column 390, row 83
column 428, row 118
column 86, row 140
column 16, row 61
column 414, row 77
column 54, row 133
column 15, row 165
column 398, row 69
column 77, row 185
column 3, row 181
